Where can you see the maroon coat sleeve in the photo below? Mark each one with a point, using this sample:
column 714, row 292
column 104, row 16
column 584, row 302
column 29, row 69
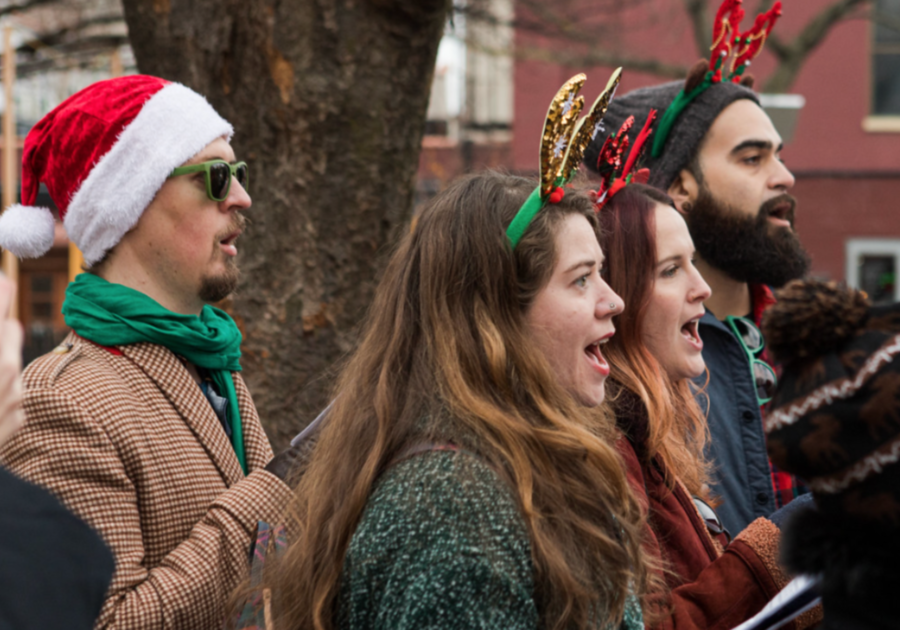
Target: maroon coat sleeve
column 708, row 589
column 733, row 587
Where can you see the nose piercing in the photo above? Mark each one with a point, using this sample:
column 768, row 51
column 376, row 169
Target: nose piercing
column 612, row 306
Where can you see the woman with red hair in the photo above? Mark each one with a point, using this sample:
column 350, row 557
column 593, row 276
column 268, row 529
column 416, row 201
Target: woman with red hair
column 710, row 580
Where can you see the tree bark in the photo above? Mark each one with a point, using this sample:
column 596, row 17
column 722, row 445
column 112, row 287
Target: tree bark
column 328, row 100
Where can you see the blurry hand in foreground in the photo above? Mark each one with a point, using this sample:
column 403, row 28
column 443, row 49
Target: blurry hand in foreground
column 11, row 414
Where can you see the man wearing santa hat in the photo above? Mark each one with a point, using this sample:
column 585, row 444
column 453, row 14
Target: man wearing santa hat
column 139, row 421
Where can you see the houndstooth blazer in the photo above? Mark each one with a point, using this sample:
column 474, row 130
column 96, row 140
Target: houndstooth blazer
column 129, row 443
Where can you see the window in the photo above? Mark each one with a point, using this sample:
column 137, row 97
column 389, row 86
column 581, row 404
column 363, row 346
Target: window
column 886, row 59
column 873, row 265
column 877, row 277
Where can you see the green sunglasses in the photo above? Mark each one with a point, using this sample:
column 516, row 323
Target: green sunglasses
column 218, row 174
column 752, row 341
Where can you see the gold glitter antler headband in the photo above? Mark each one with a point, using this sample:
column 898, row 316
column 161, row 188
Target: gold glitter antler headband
column 563, row 143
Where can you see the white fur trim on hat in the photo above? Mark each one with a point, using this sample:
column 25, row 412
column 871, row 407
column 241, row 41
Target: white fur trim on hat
column 27, row 231
column 174, row 125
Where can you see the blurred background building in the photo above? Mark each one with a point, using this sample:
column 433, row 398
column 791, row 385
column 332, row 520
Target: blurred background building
column 844, row 148
column 837, row 106
column 60, row 47
column 840, row 118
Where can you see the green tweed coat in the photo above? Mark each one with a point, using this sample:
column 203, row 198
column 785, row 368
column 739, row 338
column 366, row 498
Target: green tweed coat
column 442, row 544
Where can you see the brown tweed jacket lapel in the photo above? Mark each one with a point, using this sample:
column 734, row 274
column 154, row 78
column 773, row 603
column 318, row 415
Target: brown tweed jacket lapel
column 256, row 442
column 177, row 385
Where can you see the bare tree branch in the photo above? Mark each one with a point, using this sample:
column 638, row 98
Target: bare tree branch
column 477, row 11
column 22, row 6
column 597, row 57
column 82, row 54
column 888, row 21
column 777, row 47
column 700, row 23
column 795, row 53
column 562, row 20
column 551, row 15
column 566, row 20
column 70, row 34
column 588, row 53
column 77, row 43
column 420, row 11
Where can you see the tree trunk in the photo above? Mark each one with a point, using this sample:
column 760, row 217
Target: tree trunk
column 328, row 100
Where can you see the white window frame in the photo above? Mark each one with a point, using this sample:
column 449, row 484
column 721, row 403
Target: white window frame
column 857, row 247
column 885, row 121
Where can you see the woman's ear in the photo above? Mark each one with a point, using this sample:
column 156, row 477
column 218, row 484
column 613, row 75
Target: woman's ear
column 684, row 190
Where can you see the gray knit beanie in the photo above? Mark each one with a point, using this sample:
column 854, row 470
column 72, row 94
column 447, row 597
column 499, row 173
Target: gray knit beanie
column 687, row 133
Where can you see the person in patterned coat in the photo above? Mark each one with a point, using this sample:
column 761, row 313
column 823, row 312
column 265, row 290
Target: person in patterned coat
column 835, row 423
column 139, row 422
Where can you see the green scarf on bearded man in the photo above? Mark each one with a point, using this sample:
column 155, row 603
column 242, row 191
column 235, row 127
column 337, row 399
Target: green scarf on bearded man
column 114, row 315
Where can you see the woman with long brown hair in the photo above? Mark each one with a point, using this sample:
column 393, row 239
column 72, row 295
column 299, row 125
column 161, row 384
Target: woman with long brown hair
column 465, row 477
column 654, row 357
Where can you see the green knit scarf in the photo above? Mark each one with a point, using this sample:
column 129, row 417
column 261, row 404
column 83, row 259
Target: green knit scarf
column 114, row 315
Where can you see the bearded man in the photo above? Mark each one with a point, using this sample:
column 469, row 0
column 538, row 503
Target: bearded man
column 718, row 157
column 140, row 422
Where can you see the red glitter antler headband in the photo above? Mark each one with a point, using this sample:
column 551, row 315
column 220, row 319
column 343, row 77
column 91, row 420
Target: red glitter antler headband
column 615, row 176
column 725, row 38
column 750, row 43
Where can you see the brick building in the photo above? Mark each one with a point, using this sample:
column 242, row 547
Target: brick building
column 844, row 149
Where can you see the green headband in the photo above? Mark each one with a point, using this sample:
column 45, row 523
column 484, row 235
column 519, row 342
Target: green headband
column 726, row 39
column 563, row 143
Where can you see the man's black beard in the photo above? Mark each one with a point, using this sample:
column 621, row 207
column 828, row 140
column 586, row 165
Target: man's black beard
column 216, row 288
column 747, row 249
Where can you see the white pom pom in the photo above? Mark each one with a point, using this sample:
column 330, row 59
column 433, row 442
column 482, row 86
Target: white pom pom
column 26, row 231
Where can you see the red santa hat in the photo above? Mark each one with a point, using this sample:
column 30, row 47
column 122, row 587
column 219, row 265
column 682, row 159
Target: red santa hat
column 103, row 154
